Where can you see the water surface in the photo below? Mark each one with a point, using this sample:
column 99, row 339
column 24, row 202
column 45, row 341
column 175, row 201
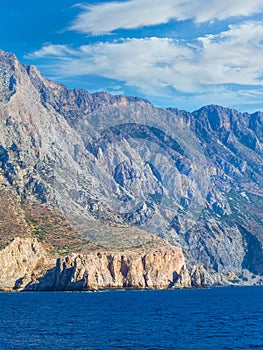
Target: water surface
column 219, row 318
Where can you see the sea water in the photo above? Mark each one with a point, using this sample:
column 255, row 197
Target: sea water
column 217, row 318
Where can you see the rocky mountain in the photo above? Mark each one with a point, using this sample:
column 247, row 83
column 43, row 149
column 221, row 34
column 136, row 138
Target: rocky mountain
column 84, row 173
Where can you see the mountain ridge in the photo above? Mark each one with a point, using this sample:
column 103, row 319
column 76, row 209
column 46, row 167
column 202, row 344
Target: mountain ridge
column 119, row 168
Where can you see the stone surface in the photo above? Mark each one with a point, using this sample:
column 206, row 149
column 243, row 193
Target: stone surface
column 19, row 261
column 157, row 269
column 25, row 265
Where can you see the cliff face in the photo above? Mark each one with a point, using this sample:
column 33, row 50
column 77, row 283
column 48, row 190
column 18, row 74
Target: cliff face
column 164, row 268
column 120, row 170
column 19, row 261
column 232, row 215
column 25, row 265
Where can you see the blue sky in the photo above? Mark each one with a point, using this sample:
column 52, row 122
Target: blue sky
column 175, row 53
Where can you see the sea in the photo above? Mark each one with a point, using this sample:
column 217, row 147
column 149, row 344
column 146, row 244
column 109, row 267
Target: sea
column 216, row 318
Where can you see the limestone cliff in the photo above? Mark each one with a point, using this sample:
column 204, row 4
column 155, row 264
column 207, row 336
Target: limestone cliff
column 40, row 251
column 19, row 261
column 25, row 265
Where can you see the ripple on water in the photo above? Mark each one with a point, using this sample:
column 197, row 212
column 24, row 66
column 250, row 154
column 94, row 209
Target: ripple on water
column 222, row 318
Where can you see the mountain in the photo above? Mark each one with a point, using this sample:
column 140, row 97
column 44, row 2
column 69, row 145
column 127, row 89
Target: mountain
column 114, row 178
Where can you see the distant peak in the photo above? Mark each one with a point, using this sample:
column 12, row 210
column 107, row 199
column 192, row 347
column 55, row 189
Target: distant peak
column 33, row 71
column 5, row 54
column 212, row 108
column 2, row 52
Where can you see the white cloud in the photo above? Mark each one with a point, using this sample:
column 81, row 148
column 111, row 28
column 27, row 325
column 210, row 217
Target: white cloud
column 47, row 50
column 247, row 100
column 231, row 57
column 109, row 16
column 149, row 64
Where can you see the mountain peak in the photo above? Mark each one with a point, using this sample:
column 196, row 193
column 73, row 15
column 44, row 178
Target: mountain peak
column 6, row 53
column 215, row 108
column 218, row 117
column 8, row 60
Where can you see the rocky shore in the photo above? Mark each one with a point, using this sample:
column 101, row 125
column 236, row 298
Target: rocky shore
column 27, row 266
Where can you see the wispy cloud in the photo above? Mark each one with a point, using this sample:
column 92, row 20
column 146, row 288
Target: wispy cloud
column 155, row 64
column 49, row 50
column 149, row 64
column 109, row 16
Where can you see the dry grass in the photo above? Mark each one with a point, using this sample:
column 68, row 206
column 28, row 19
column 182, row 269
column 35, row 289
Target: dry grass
column 61, row 235
column 12, row 218
column 110, row 236
column 50, row 227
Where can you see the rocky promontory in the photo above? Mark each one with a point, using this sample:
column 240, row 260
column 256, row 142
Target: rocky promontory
column 25, row 265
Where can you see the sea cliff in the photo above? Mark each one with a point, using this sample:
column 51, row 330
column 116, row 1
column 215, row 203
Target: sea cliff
column 26, row 265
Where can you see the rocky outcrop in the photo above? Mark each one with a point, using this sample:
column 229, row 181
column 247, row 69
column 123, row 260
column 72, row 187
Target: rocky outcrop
column 25, row 265
column 157, row 269
column 21, row 260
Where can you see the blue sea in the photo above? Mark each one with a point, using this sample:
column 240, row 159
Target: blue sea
column 217, row 318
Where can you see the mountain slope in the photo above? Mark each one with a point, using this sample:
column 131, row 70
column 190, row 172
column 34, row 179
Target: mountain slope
column 121, row 170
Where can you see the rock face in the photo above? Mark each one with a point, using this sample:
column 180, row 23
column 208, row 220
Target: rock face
column 25, row 265
column 164, row 268
column 232, row 215
column 117, row 166
column 19, row 261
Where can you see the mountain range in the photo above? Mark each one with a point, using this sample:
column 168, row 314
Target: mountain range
column 101, row 191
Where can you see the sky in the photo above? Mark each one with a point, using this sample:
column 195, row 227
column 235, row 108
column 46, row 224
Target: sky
column 175, row 53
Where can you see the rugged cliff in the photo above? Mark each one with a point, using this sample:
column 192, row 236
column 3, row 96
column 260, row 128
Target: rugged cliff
column 21, row 260
column 153, row 269
column 25, row 265
column 83, row 171
column 40, row 251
